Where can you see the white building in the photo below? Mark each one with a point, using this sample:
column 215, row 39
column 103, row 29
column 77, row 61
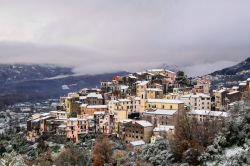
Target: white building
column 203, row 115
column 199, row 101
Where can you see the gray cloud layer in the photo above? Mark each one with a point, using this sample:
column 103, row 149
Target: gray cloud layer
column 99, row 36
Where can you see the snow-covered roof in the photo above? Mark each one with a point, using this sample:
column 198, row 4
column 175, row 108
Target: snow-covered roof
column 137, row 98
column 137, row 143
column 59, row 112
column 45, row 114
column 161, row 112
column 154, row 89
column 97, row 106
column 233, row 92
column 125, row 120
column 82, row 97
column 114, row 101
column 197, row 95
column 208, row 113
column 139, row 73
column 144, row 123
column 124, row 100
column 235, row 87
column 155, row 70
column 159, row 70
column 124, row 87
column 242, row 83
column 96, row 89
column 142, row 83
column 131, row 76
column 45, row 117
column 95, row 95
column 99, row 113
column 84, row 105
column 62, row 126
column 166, row 101
column 72, row 119
column 164, row 128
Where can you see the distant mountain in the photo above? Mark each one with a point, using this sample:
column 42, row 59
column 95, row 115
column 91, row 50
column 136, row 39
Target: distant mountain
column 20, row 83
column 232, row 75
column 19, row 72
column 239, row 69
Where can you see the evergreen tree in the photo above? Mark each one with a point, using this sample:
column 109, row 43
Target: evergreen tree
column 182, row 79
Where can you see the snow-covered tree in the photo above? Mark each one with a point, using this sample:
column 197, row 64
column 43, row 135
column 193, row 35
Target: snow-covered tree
column 233, row 146
column 158, row 153
column 12, row 159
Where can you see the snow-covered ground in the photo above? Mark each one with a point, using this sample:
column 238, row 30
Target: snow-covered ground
column 229, row 152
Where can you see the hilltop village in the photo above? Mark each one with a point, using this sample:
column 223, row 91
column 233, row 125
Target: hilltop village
column 136, row 108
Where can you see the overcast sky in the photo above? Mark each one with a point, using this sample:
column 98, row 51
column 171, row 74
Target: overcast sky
column 96, row 36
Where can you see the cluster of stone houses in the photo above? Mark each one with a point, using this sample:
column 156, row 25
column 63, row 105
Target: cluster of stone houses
column 137, row 108
column 226, row 97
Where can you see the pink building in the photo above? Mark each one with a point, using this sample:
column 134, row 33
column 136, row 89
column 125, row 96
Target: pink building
column 72, row 129
column 104, row 122
column 80, row 125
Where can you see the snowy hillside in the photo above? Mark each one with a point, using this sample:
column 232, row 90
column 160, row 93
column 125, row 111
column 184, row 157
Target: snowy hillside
column 19, row 72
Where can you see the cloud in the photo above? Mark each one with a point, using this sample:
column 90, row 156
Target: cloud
column 99, row 36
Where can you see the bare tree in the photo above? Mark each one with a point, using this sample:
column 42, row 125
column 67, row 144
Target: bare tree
column 102, row 151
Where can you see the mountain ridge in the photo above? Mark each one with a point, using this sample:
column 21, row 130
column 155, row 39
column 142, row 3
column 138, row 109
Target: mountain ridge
column 231, row 76
column 45, row 82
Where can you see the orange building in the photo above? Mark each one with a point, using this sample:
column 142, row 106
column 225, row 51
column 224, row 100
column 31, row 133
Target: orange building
column 91, row 109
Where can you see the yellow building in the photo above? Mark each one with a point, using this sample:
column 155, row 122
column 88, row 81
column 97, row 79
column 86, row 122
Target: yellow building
column 154, row 93
column 173, row 96
column 141, row 89
column 164, row 104
column 119, row 110
column 74, row 95
column 72, row 105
